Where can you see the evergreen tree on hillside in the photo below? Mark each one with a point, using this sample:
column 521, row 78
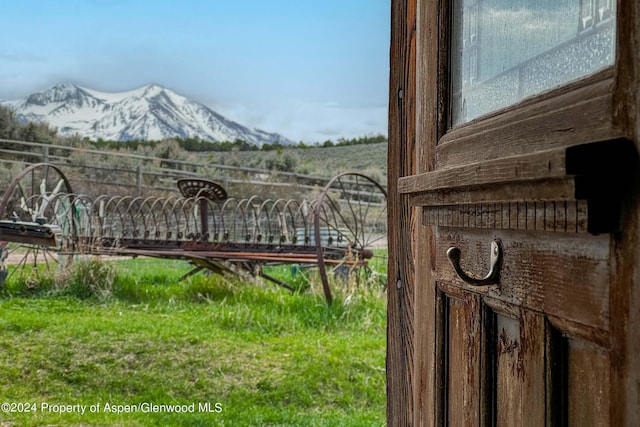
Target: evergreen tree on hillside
column 8, row 123
column 11, row 128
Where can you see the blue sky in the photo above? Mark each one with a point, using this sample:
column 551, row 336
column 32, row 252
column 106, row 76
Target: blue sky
column 311, row 70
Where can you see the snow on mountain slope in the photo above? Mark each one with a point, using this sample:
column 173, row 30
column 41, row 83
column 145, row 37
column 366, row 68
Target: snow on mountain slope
column 151, row 112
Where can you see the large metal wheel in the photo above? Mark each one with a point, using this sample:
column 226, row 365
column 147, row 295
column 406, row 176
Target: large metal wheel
column 31, row 211
column 350, row 233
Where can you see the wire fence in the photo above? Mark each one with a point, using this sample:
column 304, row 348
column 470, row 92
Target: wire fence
column 95, row 172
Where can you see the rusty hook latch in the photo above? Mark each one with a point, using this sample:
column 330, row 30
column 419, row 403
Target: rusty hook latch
column 495, row 260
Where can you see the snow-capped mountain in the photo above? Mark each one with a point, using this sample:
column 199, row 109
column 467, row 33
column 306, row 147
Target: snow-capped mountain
column 151, row 112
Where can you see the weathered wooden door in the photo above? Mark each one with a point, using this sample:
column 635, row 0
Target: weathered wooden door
column 526, row 197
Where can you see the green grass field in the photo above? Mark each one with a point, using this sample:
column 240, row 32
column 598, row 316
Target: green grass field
column 125, row 343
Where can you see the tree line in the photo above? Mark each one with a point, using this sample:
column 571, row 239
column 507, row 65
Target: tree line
column 12, row 128
column 198, row 145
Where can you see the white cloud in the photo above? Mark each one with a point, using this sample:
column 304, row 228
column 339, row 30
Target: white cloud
column 312, row 122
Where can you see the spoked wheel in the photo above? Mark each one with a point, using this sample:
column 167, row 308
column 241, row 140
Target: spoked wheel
column 350, row 226
column 30, row 213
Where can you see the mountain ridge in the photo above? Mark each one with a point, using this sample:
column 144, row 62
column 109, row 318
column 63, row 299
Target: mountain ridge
column 150, row 112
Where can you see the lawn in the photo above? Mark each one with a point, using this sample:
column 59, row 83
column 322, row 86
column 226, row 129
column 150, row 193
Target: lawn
column 144, row 350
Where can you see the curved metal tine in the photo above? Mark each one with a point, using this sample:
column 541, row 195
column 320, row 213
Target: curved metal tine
column 227, row 216
column 121, row 214
column 364, row 200
column 231, row 226
column 294, row 218
column 287, row 222
column 181, row 219
column 196, row 209
column 217, row 222
column 209, row 222
column 275, row 221
column 62, row 208
column 213, row 219
column 189, row 218
column 58, row 211
column 325, row 203
column 173, row 220
column 81, row 222
column 240, row 218
column 191, row 210
column 126, row 212
column 254, row 233
column 328, row 216
column 265, row 222
column 307, row 213
column 144, row 213
column 335, row 205
column 132, row 212
column 346, row 192
column 31, row 207
column 181, row 216
column 108, row 216
column 213, row 215
column 44, row 184
column 156, row 206
column 53, row 208
column 167, row 211
column 284, row 222
column 98, row 218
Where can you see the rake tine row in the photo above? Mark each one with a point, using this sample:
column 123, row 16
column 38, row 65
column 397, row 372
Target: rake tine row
column 203, row 224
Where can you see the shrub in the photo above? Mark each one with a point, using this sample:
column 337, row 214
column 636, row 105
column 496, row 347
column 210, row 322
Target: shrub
column 87, row 278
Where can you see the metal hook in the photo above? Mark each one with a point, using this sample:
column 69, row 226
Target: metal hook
column 453, row 254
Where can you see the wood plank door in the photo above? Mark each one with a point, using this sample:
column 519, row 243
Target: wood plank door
column 526, row 196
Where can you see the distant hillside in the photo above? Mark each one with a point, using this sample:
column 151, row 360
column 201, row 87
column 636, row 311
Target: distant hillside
column 370, row 159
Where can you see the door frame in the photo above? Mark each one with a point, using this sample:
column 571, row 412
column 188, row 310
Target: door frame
column 421, row 144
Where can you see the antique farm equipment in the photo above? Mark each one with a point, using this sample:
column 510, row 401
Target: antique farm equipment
column 342, row 230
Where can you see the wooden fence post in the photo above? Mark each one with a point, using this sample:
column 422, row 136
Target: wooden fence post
column 139, row 180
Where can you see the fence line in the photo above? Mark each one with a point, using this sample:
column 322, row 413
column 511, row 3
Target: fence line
column 153, row 170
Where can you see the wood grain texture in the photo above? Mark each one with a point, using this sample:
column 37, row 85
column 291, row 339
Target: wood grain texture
column 538, row 166
column 588, row 383
column 560, row 275
column 625, row 286
column 464, row 361
column 580, row 112
column 598, row 173
column 551, row 216
column 547, row 191
column 429, row 402
column 520, row 372
column 401, row 217
column 556, row 280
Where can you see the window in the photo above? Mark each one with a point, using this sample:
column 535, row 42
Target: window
column 505, row 51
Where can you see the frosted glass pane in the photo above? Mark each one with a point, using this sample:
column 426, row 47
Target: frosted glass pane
column 506, row 50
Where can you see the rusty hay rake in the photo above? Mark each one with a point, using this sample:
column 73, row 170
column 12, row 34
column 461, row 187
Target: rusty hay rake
column 341, row 231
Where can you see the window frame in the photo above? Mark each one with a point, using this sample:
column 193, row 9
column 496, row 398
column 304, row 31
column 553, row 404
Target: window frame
column 586, row 110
